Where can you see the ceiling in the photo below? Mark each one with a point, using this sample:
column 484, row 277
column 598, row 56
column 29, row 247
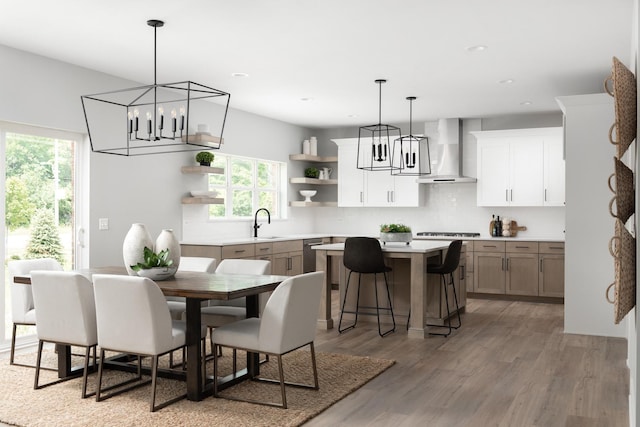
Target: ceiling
column 329, row 52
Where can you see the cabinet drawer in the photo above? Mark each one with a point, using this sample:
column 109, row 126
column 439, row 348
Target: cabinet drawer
column 287, row 246
column 263, row 249
column 488, row 246
column 552, row 248
column 238, row 251
column 523, row 247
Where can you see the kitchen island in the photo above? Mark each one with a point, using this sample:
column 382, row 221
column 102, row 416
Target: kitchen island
column 410, row 276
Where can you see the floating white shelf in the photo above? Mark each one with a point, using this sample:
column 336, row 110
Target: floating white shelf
column 202, row 201
column 310, row 158
column 202, row 169
column 303, row 204
column 314, row 181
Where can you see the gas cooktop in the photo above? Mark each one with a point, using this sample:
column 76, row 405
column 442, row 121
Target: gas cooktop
column 447, row 234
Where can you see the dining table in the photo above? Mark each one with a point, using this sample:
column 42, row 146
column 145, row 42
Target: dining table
column 195, row 287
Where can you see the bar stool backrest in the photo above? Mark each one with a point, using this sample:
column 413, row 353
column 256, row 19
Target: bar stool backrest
column 363, row 255
column 451, row 260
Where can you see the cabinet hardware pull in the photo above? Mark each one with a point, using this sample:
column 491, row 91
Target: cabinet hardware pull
column 522, row 247
column 555, row 247
column 545, row 194
column 507, row 264
column 502, row 264
column 512, row 194
column 393, row 196
column 488, row 246
column 541, row 265
column 506, row 195
column 239, row 251
column 361, row 198
column 264, row 249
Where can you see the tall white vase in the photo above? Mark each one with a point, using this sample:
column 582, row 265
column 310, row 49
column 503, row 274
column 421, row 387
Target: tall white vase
column 167, row 240
column 133, row 246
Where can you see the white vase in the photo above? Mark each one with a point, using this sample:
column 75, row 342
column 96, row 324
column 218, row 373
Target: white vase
column 167, row 240
column 133, row 246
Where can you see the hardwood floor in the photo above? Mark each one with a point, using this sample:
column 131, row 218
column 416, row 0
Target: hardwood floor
column 509, row 365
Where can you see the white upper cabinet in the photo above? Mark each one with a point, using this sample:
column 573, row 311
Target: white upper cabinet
column 372, row 189
column 521, row 167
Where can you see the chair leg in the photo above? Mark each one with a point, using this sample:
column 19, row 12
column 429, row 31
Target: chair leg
column 282, row 388
column 314, row 366
column 344, row 301
column 375, row 279
column 38, row 360
column 154, row 379
column 443, row 280
column 13, row 344
column 85, row 374
column 215, row 371
column 98, row 388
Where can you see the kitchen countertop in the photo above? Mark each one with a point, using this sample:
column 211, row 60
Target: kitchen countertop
column 248, row 240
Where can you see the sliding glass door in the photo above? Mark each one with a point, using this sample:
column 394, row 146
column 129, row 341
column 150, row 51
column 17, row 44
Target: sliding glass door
column 40, row 206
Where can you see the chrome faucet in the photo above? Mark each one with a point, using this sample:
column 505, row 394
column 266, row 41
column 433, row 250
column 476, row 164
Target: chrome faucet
column 255, row 221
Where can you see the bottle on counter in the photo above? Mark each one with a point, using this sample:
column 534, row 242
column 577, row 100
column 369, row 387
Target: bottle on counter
column 493, row 226
column 498, row 226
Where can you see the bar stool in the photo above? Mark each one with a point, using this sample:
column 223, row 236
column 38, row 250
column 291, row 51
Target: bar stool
column 363, row 255
column 445, row 270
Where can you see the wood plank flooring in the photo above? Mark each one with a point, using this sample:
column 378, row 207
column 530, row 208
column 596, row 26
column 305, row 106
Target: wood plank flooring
column 509, row 365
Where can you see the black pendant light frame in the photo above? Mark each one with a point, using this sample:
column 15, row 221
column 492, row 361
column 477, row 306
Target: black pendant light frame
column 374, row 146
column 107, row 111
column 409, row 149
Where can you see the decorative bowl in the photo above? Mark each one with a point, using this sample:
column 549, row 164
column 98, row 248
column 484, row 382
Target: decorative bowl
column 308, row 194
column 158, row 273
column 198, row 193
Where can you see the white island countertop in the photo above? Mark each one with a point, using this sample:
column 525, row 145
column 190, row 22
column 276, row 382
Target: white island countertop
column 416, row 246
column 520, row 238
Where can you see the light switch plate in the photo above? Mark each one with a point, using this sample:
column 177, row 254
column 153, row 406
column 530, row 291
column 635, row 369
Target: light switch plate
column 103, row 223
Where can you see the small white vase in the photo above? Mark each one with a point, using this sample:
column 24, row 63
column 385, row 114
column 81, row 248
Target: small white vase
column 167, row 240
column 133, row 246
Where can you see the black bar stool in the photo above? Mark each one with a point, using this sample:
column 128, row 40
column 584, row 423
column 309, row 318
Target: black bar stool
column 445, row 270
column 363, row 255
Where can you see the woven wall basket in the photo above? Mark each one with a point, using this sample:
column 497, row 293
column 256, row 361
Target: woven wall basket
column 624, row 92
column 624, row 194
column 623, row 249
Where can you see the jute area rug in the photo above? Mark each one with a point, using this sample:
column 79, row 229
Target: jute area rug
column 61, row 404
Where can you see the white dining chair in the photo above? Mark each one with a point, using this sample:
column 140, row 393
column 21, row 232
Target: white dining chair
column 221, row 312
column 22, row 307
column 287, row 324
column 66, row 315
column 133, row 317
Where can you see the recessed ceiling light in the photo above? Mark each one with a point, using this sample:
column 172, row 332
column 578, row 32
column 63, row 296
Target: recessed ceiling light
column 506, row 81
column 477, row 48
column 240, row 74
column 526, row 103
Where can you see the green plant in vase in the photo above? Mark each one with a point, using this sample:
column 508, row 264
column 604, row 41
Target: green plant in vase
column 156, row 266
column 395, row 233
column 204, row 158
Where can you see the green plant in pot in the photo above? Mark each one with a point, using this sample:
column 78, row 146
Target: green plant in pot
column 311, row 172
column 156, row 266
column 204, row 158
column 395, row 233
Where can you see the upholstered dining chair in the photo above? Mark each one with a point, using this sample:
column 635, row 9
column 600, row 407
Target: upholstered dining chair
column 288, row 323
column 363, row 255
column 219, row 312
column 177, row 305
column 139, row 324
column 22, row 307
column 66, row 315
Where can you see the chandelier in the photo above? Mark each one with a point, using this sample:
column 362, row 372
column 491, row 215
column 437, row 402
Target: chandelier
column 408, row 151
column 157, row 118
column 374, row 149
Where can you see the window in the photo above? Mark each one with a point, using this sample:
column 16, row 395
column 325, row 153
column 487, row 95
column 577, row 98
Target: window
column 247, row 185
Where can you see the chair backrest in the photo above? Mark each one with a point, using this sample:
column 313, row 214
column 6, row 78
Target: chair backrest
column 452, row 258
column 132, row 314
column 363, row 255
column 190, row 263
column 66, row 307
column 290, row 317
column 244, row 266
column 21, row 295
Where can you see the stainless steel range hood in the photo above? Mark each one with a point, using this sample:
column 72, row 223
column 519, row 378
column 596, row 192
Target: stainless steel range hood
column 447, row 154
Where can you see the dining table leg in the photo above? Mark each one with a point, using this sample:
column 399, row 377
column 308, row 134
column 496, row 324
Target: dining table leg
column 194, row 350
column 253, row 359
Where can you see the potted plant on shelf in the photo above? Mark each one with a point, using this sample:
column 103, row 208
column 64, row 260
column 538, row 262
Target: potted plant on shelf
column 395, row 233
column 311, row 172
column 204, row 158
column 156, row 266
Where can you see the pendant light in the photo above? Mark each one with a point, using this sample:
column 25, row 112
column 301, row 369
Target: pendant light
column 408, row 151
column 157, row 118
column 374, row 149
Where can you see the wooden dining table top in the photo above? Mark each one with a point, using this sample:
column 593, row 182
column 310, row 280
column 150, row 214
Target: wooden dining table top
column 193, row 284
